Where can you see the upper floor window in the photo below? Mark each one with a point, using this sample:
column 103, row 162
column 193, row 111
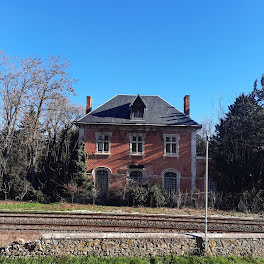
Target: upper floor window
column 103, row 143
column 137, row 142
column 138, row 114
column 137, row 108
column 171, row 145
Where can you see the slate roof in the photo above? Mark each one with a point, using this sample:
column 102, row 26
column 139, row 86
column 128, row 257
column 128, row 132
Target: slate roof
column 158, row 112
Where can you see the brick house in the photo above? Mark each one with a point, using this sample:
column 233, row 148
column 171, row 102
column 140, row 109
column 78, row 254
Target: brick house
column 143, row 139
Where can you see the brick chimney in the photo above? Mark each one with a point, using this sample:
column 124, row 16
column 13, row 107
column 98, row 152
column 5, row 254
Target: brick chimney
column 88, row 104
column 187, row 105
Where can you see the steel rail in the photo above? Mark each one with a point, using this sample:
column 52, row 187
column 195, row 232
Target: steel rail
column 134, row 222
column 70, row 214
column 153, row 221
column 130, row 217
column 137, row 229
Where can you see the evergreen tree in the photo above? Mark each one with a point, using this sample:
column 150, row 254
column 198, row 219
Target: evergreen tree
column 200, row 145
column 31, row 146
column 65, row 163
column 77, row 165
column 238, row 146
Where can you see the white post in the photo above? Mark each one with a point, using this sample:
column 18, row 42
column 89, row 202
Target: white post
column 206, row 194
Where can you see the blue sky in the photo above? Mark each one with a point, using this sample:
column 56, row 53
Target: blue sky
column 212, row 50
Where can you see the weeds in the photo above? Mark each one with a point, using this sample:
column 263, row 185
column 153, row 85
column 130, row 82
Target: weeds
column 123, row 260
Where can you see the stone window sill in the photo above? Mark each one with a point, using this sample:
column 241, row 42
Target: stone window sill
column 171, row 155
column 102, row 154
column 136, row 154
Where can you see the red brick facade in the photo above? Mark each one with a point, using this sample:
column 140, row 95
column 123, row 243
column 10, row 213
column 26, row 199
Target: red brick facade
column 153, row 162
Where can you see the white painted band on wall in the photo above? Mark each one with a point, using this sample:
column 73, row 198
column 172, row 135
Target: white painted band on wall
column 193, row 153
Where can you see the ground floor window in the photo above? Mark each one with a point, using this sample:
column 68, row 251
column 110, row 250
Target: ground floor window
column 102, row 182
column 136, row 175
column 171, row 181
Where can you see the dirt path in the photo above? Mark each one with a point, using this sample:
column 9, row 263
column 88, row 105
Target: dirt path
column 7, row 237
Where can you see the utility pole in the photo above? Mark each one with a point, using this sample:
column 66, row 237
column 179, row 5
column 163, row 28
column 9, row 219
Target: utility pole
column 206, row 193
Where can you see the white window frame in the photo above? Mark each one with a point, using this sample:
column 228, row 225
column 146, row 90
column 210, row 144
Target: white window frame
column 97, row 135
column 177, row 136
column 136, row 153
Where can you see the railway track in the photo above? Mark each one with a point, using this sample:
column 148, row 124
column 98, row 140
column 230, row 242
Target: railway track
column 108, row 222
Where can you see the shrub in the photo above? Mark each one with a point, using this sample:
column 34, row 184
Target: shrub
column 253, row 200
column 150, row 195
column 138, row 195
column 156, row 197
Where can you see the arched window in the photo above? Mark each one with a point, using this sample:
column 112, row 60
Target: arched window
column 136, row 175
column 171, row 181
column 101, row 177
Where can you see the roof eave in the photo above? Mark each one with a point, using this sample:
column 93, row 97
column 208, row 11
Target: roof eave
column 137, row 124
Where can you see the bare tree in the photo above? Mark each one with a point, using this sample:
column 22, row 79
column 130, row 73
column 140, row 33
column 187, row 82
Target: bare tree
column 14, row 91
column 36, row 86
column 50, row 81
column 72, row 189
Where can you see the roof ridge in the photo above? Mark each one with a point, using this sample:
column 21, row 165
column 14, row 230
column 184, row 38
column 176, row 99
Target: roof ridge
column 136, row 95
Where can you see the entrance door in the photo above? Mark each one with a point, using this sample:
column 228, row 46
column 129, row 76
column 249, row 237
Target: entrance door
column 102, row 182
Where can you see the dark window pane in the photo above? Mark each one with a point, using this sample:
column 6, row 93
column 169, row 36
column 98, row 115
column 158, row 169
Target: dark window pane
column 100, row 146
column 173, row 139
column 140, row 147
column 106, row 137
column 100, row 137
column 140, row 114
column 174, row 149
column 170, row 182
column 167, row 148
column 136, row 176
column 134, row 138
column 106, row 146
column 101, row 182
column 139, row 138
column 134, row 147
column 167, row 139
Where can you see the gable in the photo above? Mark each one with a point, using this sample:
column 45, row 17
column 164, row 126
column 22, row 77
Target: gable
column 137, row 108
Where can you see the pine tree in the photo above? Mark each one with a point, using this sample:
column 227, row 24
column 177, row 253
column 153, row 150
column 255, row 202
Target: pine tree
column 238, row 146
column 77, row 166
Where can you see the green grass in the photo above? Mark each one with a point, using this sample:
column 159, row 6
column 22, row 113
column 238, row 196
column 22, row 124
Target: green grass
column 33, row 206
column 123, row 260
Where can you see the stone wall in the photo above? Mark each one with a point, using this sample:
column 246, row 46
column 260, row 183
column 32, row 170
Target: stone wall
column 113, row 244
